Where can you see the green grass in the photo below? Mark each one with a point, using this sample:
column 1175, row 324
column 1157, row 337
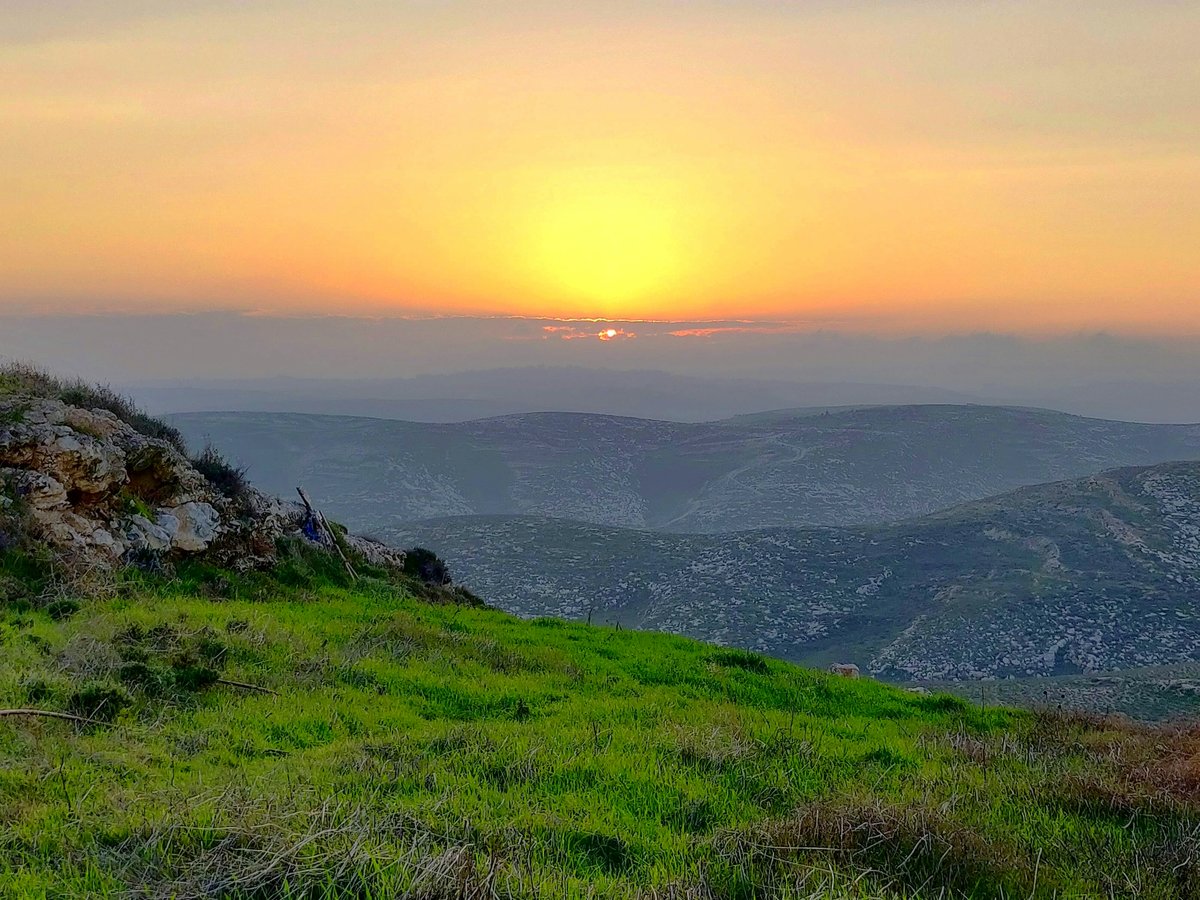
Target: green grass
column 448, row 751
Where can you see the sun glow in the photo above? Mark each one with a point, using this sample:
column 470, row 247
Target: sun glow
column 606, row 243
column 608, row 162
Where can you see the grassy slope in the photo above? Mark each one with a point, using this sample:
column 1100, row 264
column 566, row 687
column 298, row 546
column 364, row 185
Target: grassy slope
column 458, row 752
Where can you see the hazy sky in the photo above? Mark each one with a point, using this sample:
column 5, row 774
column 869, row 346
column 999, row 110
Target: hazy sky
column 898, row 167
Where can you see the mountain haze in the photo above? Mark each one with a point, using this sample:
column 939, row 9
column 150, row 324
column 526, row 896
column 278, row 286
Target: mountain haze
column 462, row 396
column 790, row 468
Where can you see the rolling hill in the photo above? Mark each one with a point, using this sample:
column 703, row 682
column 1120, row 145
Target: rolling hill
column 223, row 696
column 792, row 468
column 1094, row 574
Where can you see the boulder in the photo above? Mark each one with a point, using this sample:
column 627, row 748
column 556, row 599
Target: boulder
column 87, row 541
column 197, row 525
column 99, row 423
column 40, row 491
column 377, row 553
column 82, row 463
column 143, row 535
column 159, row 474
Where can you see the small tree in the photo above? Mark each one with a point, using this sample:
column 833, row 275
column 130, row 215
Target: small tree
column 227, row 478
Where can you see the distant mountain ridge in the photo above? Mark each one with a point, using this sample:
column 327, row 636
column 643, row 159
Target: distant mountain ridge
column 656, row 394
column 857, row 465
column 462, row 396
column 1099, row 573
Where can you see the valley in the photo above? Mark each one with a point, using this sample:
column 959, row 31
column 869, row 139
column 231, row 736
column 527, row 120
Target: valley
column 1093, row 574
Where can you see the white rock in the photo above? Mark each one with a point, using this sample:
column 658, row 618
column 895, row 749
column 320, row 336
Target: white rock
column 143, row 534
column 197, row 526
column 41, row 491
column 108, row 542
column 99, row 423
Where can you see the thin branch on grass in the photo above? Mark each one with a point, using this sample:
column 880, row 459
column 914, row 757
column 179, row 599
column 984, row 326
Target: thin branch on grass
column 258, row 689
column 51, row 714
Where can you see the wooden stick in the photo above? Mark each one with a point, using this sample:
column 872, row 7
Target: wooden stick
column 319, row 517
column 307, row 505
column 338, row 547
column 50, row 714
column 247, row 687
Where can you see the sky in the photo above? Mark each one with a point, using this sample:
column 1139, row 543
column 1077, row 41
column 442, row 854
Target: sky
column 895, row 168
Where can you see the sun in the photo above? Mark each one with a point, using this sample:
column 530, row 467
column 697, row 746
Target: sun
column 605, row 245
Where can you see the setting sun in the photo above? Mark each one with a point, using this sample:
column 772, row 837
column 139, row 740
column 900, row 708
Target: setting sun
column 641, row 353
column 608, row 161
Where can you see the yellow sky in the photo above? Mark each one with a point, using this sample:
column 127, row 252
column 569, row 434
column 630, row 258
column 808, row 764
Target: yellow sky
column 887, row 165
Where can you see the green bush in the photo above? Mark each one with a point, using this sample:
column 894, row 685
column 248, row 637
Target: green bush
column 227, row 478
column 99, row 700
column 427, row 566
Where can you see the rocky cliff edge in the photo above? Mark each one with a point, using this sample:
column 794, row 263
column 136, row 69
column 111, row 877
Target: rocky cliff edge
column 98, row 492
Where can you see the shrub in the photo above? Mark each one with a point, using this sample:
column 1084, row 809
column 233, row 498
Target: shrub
column 99, row 700
column 17, row 378
column 906, row 848
column 38, row 690
column 62, row 608
column 227, row 478
column 13, row 590
column 427, row 566
column 89, row 396
column 163, row 659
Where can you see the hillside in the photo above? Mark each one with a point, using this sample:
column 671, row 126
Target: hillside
column 206, row 692
column 359, row 743
column 850, row 466
column 1093, row 574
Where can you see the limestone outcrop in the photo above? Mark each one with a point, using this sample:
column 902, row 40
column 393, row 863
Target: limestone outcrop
column 98, row 492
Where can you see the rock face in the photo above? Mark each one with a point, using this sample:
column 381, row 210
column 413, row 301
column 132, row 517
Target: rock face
column 195, row 525
column 99, row 492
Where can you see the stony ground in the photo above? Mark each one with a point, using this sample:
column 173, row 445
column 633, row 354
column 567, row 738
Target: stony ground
column 1092, row 575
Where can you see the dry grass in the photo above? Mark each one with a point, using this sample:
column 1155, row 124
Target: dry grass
column 1135, row 766
column 912, row 848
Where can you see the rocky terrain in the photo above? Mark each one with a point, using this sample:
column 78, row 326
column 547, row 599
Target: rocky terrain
column 1153, row 693
column 1094, row 574
column 1068, row 579
column 95, row 492
column 837, row 467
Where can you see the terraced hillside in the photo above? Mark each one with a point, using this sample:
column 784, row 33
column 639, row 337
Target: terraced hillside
column 1093, row 574
column 840, row 467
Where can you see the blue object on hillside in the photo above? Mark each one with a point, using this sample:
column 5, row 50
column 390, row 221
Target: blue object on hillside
column 312, row 531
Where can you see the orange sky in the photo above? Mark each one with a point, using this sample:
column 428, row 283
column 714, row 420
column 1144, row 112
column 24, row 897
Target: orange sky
column 884, row 166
